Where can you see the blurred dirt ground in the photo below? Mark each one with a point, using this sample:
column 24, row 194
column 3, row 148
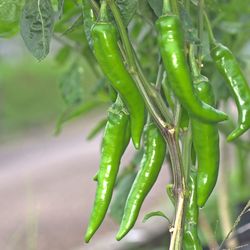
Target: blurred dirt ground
column 46, row 191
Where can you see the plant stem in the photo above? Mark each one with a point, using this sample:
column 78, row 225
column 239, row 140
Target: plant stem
column 200, row 30
column 194, row 67
column 125, row 39
column 163, row 121
column 223, row 199
column 159, row 78
column 161, row 115
column 187, row 6
column 94, row 6
column 186, row 152
column 178, row 190
column 209, row 29
column 174, row 5
column 245, row 210
column 166, row 7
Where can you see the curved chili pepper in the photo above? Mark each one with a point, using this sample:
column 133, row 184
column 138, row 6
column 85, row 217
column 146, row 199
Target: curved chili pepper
column 191, row 239
column 153, row 157
column 172, row 48
column 110, row 60
column 115, row 140
column 228, row 66
column 206, row 145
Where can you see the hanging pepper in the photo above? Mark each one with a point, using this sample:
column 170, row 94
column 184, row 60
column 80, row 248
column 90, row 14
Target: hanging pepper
column 172, row 48
column 206, row 145
column 228, row 66
column 115, row 140
column 191, row 239
column 152, row 160
column 110, row 59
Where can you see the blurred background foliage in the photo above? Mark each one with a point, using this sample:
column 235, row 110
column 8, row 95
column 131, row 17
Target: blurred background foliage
column 69, row 83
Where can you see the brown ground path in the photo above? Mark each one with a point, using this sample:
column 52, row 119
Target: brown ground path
column 46, row 190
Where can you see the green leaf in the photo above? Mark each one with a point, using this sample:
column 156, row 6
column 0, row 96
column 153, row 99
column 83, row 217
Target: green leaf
column 70, row 85
column 128, row 9
column 76, row 24
column 8, row 30
column 122, row 190
column 62, row 56
column 156, row 5
column 10, row 10
column 97, row 129
column 77, row 111
column 9, row 17
column 189, row 29
column 37, row 24
column 155, row 213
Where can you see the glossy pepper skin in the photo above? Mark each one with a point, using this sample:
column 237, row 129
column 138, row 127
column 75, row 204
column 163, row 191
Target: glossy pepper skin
column 172, row 48
column 115, row 140
column 191, row 240
column 152, row 160
column 228, row 66
column 206, row 145
column 111, row 62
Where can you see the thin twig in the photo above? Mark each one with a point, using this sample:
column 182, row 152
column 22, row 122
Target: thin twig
column 178, row 190
column 223, row 199
column 245, row 210
column 200, row 29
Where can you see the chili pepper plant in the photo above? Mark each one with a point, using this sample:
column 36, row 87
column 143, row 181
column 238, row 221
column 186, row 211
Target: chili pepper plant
column 172, row 75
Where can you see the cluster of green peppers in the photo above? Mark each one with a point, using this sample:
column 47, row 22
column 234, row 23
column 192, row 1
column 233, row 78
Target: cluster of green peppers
column 127, row 118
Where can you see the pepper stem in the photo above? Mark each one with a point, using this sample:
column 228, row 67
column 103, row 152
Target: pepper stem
column 200, row 30
column 194, row 67
column 166, row 7
column 103, row 12
column 209, row 29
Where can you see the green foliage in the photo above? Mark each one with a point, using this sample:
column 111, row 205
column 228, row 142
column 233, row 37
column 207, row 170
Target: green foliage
column 9, row 17
column 82, row 84
column 155, row 214
column 128, row 9
column 37, row 24
column 70, row 85
column 120, row 197
column 97, row 129
column 28, row 98
column 156, row 5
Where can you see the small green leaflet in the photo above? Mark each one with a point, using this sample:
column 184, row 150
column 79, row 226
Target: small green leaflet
column 97, row 129
column 70, row 85
column 128, row 9
column 156, row 5
column 120, row 197
column 9, row 10
column 156, row 213
column 37, row 24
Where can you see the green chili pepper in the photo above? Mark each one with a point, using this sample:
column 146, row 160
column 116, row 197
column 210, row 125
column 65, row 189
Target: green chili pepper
column 206, row 145
column 172, row 48
column 115, row 140
column 109, row 57
column 153, row 157
column 228, row 66
column 191, row 239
